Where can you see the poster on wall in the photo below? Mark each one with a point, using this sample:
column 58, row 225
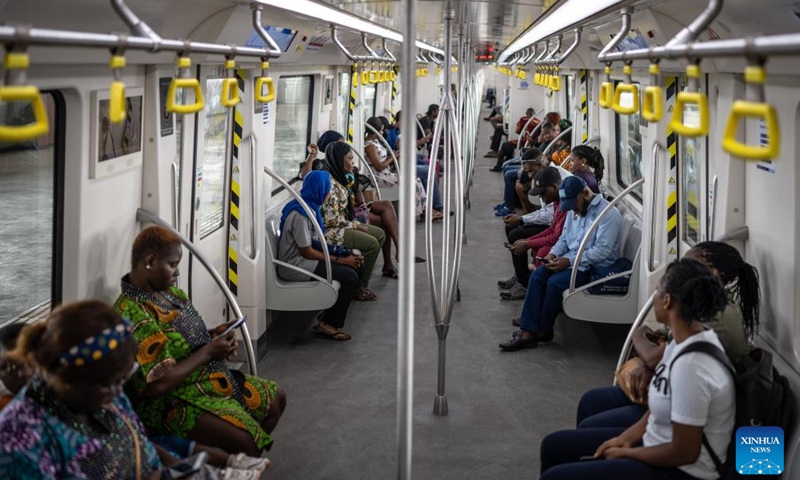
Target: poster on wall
column 166, row 116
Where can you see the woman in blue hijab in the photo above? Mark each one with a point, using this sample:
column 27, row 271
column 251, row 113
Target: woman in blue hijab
column 296, row 247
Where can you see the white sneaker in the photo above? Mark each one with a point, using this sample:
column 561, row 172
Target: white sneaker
column 240, row 461
column 233, row 474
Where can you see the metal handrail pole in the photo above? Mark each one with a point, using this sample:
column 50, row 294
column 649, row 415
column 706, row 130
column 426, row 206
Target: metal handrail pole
column 553, row 143
column 628, row 345
column 579, row 256
column 363, row 162
column 657, row 149
column 175, row 198
column 275, row 50
column 143, row 215
column 385, row 144
column 253, row 192
column 623, row 32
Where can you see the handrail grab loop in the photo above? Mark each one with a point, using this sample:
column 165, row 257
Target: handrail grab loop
column 184, row 80
column 143, row 215
column 606, row 90
column 555, row 80
column 755, row 107
column 116, row 97
column 264, row 80
column 626, row 87
column 657, row 151
column 253, row 192
column 14, row 90
column 693, row 96
column 653, row 105
column 590, row 232
column 229, row 97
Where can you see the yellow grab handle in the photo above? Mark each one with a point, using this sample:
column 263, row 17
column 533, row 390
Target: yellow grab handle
column 270, row 96
column 373, row 76
column 364, row 77
column 523, row 75
column 653, row 107
column 606, row 94
column 555, row 83
column 766, row 112
column 392, row 76
column 230, row 93
column 690, row 98
column 22, row 133
column 626, row 88
column 116, row 102
column 188, row 84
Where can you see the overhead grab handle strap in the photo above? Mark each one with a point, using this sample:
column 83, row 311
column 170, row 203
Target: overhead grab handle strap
column 184, row 81
column 14, row 90
column 606, row 90
column 264, row 80
column 692, row 97
column 116, row 97
column 230, row 87
column 753, row 107
column 626, row 87
column 653, row 107
column 555, row 80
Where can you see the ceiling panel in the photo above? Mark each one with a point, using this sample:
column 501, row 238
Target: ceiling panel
column 495, row 21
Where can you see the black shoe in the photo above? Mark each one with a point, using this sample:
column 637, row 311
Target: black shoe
column 495, row 169
column 518, row 343
column 540, row 337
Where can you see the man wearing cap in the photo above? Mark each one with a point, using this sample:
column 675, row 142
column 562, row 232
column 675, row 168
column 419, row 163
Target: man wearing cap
column 543, row 301
column 539, row 231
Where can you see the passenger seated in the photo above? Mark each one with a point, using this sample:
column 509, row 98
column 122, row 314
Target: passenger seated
column 690, row 398
column 587, row 162
column 508, row 148
column 538, row 231
column 314, row 163
column 510, row 177
column 185, row 388
column 561, row 150
column 524, row 182
column 338, row 213
column 376, row 154
column 736, row 328
column 423, row 167
column 72, row 419
column 13, row 374
column 296, row 247
column 543, row 300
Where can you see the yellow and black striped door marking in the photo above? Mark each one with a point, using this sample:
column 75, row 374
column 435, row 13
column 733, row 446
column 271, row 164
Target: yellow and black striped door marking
column 672, row 185
column 235, row 194
column 352, row 107
column 394, row 90
column 584, row 107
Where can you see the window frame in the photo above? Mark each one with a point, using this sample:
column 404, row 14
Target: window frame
column 346, row 106
column 309, row 126
column 229, row 126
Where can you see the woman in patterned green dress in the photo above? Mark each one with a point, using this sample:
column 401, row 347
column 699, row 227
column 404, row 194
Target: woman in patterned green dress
column 185, row 389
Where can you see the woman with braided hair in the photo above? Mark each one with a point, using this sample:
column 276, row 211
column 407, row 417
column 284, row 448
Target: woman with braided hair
column 587, row 162
column 736, row 327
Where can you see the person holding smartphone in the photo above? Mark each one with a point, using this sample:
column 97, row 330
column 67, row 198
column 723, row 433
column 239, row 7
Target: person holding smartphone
column 543, row 299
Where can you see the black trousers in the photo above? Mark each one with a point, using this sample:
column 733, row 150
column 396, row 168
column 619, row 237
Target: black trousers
column 348, row 278
column 505, row 153
column 497, row 138
column 521, row 261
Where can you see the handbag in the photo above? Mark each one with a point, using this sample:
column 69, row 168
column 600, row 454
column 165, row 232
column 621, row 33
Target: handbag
column 624, row 376
column 362, row 213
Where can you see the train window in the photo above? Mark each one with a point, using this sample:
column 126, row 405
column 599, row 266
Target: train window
column 629, row 145
column 31, row 189
column 691, row 152
column 344, row 102
column 292, row 124
column 215, row 154
column 370, row 100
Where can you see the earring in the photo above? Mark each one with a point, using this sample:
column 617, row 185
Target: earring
column 148, row 267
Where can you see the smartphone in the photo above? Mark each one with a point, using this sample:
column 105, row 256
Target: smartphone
column 189, row 467
column 589, row 458
column 505, row 244
column 234, row 325
column 543, row 260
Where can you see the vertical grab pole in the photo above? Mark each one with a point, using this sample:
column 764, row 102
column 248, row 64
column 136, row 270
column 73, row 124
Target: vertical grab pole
column 405, row 291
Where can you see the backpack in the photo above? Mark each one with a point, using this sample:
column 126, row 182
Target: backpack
column 763, row 397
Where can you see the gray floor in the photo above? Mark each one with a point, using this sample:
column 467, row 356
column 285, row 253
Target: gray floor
column 341, row 419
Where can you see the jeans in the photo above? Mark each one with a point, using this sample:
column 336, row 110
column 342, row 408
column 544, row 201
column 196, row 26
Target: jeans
column 370, row 245
column 422, row 174
column 560, row 455
column 543, row 300
column 510, row 176
column 607, row 407
column 521, row 261
column 348, row 280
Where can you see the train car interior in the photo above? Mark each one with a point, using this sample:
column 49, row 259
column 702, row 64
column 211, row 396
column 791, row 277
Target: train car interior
column 673, row 119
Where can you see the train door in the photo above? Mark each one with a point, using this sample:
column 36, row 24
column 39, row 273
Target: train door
column 692, row 184
column 209, row 200
column 31, row 214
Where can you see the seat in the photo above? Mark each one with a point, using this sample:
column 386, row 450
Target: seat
column 284, row 295
column 615, row 309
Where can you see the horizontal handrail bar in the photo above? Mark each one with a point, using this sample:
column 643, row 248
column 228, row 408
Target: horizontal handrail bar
column 143, row 215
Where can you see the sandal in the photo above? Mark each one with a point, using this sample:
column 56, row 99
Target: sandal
column 337, row 336
column 364, row 295
column 391, row 273
column 516, row 321
column 437, row 216
column 419, row 259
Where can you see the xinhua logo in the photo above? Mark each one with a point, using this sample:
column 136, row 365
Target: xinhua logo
column 759, row 451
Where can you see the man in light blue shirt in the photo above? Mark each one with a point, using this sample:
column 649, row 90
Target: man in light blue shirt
column 543, row 299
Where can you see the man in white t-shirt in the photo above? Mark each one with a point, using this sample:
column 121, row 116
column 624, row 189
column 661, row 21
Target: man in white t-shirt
column 693, row 398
